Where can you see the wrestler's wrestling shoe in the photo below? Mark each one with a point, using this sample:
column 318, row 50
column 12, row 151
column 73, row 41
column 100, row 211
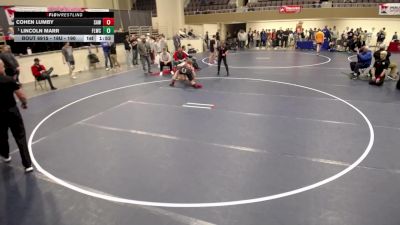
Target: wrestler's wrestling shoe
column 197, row 86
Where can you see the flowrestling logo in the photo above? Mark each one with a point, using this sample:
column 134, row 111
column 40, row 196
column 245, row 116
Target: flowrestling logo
column 389, row 9
column 290, row 9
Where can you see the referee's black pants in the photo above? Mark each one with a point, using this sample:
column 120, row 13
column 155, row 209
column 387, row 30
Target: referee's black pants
column 220, row 58
column 12, row 119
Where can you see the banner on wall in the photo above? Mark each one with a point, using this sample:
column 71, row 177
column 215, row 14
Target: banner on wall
column 10, row 10
column 389, row 9
column 290, row 9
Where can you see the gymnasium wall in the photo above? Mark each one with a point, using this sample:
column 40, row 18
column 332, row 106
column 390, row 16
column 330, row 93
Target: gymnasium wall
column 95, row 4
column 371, row 24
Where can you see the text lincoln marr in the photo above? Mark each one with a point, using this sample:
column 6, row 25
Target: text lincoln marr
column 39, row 30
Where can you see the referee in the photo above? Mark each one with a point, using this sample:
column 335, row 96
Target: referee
column 222, row 52
column 11, row 118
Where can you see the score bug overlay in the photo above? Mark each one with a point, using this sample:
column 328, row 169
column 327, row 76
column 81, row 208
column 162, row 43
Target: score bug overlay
column 64, row 26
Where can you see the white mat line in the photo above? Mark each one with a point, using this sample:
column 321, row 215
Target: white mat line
column 201, row 104
column 254, row 94
column 198, row 107
column 170, row 137
column 254, row 114
column 153, row 210
column 232, row 147
column 73, row 124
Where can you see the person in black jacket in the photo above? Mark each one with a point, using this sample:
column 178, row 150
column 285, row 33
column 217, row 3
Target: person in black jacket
column 128, row 53
column 222, row 52
column 11, row 119
column 10, row 63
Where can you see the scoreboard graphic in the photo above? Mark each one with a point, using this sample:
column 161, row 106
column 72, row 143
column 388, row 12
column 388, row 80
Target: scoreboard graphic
column 64, row 27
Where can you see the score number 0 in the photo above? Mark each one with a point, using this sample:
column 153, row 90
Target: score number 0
column 108, row 21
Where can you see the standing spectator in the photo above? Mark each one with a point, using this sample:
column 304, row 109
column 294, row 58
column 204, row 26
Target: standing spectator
column 285, row 38
column 40, row 72
column 163, row 42
column 128, row 53
column 144, row 52
column 68, row 57
column 207, row 39
column 380, row 37
column 217, row 37
column 249, row 35
column 395, row 38
column 11, row 119
column 134, row 44
column 222, row 52
column 213, row 46
column 107, row 55
column 165, row 60
column 319, row 39
column 113, row 56
column 327, row 34
column 258, row 39
column 177, row 41
column 334, row 35
column 263, row 37
column 242, row 37
column 10, row 62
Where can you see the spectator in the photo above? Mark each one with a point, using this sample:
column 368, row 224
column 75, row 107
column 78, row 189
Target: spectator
column 163, row 42
column 395, row 38
column 285, row 38
column 128, row 53
column 165, row 60
column 10, row 63
column 263, row 38
column 68, row 57
column 379, row 70
column 180, row 56
column 394, row 74
column 40, row 72
column 177, row 41
column 113, row 56
column 207, row 39
column 327, row 33
column 107, row 55
column 144, row 50
column 364, row 58
column 213, row 46
column 134, row 44
column 242, row 37
column 380, row 37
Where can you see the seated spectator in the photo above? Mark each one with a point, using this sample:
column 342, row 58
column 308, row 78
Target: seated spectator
column 379, row 70
column 191, row 57
column 165, row 60
column 394, row 74
column 364, row 58
column 40, row 72
column 180, row 56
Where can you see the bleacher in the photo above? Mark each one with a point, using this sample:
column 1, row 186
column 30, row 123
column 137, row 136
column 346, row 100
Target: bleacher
column 146, row 5
column 223, row 6
column 209, row 6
